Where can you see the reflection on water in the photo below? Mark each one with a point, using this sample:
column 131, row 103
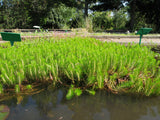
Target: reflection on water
column 152, row 114
column 52, row 105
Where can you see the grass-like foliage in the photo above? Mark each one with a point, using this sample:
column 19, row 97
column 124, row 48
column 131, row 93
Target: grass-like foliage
column 85, row 64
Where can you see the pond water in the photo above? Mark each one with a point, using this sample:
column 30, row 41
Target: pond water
column 52, row 105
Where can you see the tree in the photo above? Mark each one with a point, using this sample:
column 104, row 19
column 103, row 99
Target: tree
column 132, row 11
column 83, row 5
column 60, row 17
column 102, row 20
column 25, row 13
column 151, row 10
column 119, row 19
column 38, row 10
column 103, row 5
column 13, row 14
column 146, row 11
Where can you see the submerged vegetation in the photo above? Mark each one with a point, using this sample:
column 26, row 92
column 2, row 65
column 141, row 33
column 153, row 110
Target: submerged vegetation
column 81, row 64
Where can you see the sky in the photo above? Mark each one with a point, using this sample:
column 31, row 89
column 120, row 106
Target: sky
column 1, row 1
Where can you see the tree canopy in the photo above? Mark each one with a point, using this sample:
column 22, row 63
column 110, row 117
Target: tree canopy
column 73, row 13
column 103, row 5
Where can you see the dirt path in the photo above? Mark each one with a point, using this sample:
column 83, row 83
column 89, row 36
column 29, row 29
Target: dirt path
column 146, row 40
column 2, row 41
column 132, row 40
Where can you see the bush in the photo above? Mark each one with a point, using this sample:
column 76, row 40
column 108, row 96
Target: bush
column 102, row 21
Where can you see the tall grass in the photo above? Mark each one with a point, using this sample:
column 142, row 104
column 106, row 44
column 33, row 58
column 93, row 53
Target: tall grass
column 86, row 64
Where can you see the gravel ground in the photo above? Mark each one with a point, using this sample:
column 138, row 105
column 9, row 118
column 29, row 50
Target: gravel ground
column 121, row 39
column 133, row 40
column 146, row 40
column 2, row 41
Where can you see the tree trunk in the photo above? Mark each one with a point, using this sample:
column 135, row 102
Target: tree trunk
column 133, row 14
column 86, row 9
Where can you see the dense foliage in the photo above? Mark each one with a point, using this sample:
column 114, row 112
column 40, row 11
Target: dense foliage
column 102, row 21
column 74, row 13
column 84, row 64
column 144, row 13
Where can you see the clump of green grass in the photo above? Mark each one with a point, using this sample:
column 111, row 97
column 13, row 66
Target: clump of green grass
column 85, row 64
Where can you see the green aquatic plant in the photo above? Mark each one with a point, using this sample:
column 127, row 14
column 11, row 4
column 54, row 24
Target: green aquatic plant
column 91, row 92
column 86, row 63
column 17, row 88
column 77, row 92
column 1, row 89
column 73, row 92
column 70, row 93
column 29, row 87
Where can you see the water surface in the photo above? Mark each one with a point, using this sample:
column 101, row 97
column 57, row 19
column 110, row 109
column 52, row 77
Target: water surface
column 52, row 105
